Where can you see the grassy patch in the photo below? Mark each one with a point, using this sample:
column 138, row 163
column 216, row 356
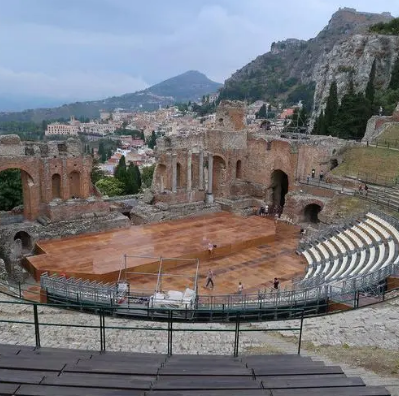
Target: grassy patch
column 384, row 362
column 370, row 160
column 391, row 133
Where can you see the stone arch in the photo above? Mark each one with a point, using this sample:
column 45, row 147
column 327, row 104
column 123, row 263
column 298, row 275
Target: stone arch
column 178, row 176
column 311, row 213
column 160, row 179
column 333, row 163
column 30, row 189
column 279, row 186
column 219, row 176
column 26, row 241
column 56, row 186
column 238, row 169
column 74, row 184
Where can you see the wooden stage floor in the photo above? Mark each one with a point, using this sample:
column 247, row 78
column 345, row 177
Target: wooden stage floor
column 251, row 250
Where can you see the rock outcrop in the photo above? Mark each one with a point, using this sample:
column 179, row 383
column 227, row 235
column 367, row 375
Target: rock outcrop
column 303, row 70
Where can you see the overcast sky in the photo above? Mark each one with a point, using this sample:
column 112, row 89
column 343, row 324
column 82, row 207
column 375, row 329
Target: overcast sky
column 89, row 49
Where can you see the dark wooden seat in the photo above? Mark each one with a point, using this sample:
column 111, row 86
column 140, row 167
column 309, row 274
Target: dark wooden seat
column 213, row 392
column 199, row 383
column 22, row 376
column 310, row 382
column 296, row 370
column 208, row 371
column 100, row 381
column 8, row 389
column 43, row 390
column 351, row 391
column 134, row 368
column 21, row 363
column 64, row 372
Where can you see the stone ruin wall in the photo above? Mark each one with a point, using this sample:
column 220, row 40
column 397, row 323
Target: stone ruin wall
column 243, row 162
column 377, row 124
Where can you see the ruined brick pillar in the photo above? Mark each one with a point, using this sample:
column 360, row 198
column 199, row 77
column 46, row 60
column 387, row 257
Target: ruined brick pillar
column 201, row 171
column 209, row 194
column 189, row 165
column 174, row 172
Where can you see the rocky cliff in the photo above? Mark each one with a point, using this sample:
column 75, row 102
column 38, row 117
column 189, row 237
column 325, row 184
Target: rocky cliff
column 303, row 70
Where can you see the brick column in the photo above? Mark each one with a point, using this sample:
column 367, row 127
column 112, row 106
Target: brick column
column 209, row 195
column 189, row 165
column 174, row 172
column 201, row 170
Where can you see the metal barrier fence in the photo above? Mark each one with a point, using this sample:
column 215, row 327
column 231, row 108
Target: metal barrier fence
column 168, row 327
column 387, row 181
column 388, row 143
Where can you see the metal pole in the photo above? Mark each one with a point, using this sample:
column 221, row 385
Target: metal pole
column 237, row 335
column 37, row 329
column 20, row 290
column 300, row 333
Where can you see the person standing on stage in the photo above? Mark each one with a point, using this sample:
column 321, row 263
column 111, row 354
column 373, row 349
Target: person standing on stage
column 209, row 279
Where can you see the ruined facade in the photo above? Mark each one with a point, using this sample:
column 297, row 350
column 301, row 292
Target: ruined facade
column 55, row 177
column 229, row 162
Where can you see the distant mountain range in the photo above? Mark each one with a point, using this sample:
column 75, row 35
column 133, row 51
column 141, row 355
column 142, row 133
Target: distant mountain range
column 189, row 86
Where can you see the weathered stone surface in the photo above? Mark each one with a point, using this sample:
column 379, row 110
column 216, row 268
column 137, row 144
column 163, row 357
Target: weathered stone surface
column 10, row 139
column 148, row 196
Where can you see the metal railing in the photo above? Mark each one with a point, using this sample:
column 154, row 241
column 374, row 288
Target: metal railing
column 388, row 143
column 166, row 326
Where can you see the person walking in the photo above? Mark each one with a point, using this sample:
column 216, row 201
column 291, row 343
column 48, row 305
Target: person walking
column 240, row 288
column 209, row 279
column 276, row 284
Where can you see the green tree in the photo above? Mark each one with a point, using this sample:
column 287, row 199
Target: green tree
column 147, row 173
column 370, row 89
column 394, row 81
column 152, row 141
column 96, row 172
column 101, row 151
column 131, row 183
column 10, row 189
column 332, row 105
column 120, row 170
column 110, row 186
column 137, row 176
column 262, row 113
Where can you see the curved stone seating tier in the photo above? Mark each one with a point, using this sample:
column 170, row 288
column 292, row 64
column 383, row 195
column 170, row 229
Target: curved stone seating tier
column 366, row 240
column 370, row 231
column 308, row 257
column 371, row 261
column 346, row 241
column 339, row 269
column 378, row 228
column 359, row 250
column 390, row 229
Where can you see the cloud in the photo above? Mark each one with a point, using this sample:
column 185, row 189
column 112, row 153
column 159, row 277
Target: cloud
column 88, row 49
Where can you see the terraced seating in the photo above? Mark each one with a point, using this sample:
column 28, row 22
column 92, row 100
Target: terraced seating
column 49, row 372
column 360, row 249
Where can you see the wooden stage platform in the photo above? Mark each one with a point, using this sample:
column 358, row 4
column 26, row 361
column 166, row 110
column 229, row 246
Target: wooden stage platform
column 248, row 250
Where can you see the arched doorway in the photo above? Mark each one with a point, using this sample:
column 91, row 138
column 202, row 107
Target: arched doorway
column 219, row 176
column 311, row 213
column 19, row 195
column 74, row 184
column 238, row 170
column 279, row 186
column 333, row 163
column 56, row 186
column 11, row 189
column 178, row 175
column 26, row 241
